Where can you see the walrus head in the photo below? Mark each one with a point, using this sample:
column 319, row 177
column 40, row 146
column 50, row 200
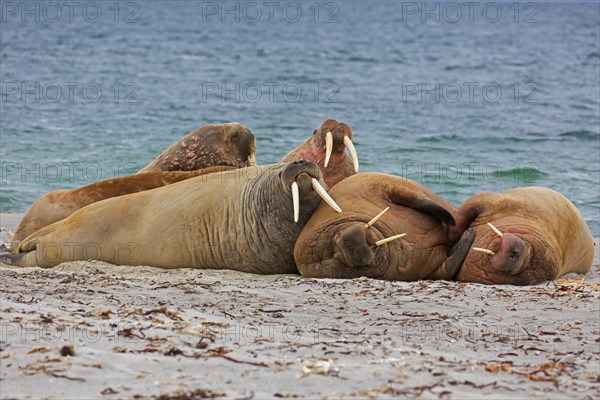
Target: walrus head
column 229, row 144
column 279, row 200
column 505, row 254
column 389, row 229
column 326, row 148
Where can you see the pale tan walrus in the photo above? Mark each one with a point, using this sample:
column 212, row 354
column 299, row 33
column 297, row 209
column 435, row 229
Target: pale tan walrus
column 59, row 204
column 522, row 237
column 230, row 145
column 391, row 228
column 246, row 219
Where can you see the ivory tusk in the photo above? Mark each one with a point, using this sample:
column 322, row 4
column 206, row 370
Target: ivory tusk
column 328, row 147
column 353, row 153
column 296, row 200
column 383, row 241
column 486, row 251
column 495, row 229
column 324, row 195
column 375, row 218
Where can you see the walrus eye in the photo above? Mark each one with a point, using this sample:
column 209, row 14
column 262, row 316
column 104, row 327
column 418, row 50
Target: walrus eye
column 315, row 132
column 234, row 136
column 514, row 255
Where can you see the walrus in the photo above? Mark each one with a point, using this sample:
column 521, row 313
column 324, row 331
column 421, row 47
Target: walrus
column 406, row 241
column 523, row 236
column 59, row 204
column 229, row 144
column 326, row 148
column 241, row 219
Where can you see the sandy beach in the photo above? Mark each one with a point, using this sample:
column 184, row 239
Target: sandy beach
column 94, row 330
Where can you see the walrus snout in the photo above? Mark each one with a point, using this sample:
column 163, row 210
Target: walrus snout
column 353, row 245
column 291, row 171
column 511, row 255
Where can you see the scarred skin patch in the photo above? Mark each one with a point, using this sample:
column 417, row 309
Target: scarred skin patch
column 228, row 144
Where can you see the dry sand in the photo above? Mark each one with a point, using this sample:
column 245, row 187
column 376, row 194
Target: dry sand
column 145, row 332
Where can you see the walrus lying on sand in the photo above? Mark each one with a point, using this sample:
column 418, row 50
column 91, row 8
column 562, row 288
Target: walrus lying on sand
column 406, row 241
column 229, row 144
column 522, row 237
column 240, row 219
column 326, row 149
column 59, row 204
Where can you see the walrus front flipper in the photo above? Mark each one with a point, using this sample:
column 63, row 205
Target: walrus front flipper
column 449, row 269
column 20, row 259
column 416, row 197
column 435, row 209
column 407, row 197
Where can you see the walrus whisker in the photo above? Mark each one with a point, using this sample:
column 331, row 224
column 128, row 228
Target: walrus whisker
column 296, row 200
column 353, row 153
column 324, row 195
column 375, row 218
column 486, row 251
column 328, row 147
column 384, row 241
column 495, row 229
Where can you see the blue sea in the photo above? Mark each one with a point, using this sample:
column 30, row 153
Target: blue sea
column 462, row 97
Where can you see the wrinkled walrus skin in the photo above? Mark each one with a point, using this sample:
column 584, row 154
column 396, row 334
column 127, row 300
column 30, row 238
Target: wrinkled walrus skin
column 229, row 144
column 340, row 166
column 59, row 204
column 240, row 219
column 543, row 236
column 340, row 246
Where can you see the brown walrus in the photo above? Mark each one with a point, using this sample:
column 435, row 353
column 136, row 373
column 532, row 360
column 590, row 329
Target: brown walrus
column 241, row 219
column 229, row 144
column 59, row 204
column 522, row 237
column 354, row 243
column 326, row 149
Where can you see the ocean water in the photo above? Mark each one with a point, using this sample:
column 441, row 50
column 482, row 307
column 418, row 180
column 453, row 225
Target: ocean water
column 461, row 98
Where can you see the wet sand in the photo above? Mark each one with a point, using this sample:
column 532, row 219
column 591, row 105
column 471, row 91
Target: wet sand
column 127, row 332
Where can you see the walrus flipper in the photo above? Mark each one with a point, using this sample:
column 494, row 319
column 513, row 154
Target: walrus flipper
column 410, row 197
column 435, row 209
column 449, row 269
column 20, row 259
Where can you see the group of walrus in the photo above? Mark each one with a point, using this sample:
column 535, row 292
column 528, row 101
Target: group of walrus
column 204, row 203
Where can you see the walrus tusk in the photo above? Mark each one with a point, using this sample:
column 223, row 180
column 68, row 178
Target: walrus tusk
column 384, row 241
column 324, row 195
column 375, row 218
column 495, row 229
column 296, row 200
column 486, row 251
column 328, row 147
column 353, row 153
